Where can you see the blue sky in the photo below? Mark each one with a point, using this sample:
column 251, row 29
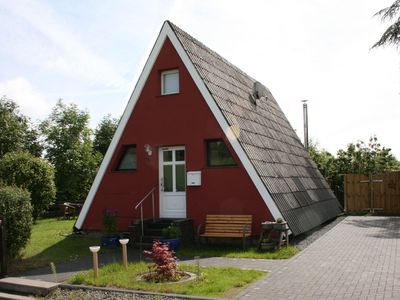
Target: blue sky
column 91, row 53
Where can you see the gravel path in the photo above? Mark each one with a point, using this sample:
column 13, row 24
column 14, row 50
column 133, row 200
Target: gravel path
column 90, row 293
column 304, row 240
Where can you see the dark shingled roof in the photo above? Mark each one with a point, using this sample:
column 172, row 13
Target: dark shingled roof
column 287, row 171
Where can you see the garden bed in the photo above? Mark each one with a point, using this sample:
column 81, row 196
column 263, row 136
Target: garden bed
column 213, row 282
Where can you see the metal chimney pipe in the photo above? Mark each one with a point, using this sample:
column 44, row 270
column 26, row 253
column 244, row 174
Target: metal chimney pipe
column 305, row 121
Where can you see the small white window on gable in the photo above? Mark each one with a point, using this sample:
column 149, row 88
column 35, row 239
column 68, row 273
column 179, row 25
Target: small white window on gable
column 170, row 82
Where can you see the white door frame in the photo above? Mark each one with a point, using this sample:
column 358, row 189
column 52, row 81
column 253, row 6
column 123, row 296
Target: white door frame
column 172, row 204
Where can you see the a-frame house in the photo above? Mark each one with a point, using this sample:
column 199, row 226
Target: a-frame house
column 208, row 139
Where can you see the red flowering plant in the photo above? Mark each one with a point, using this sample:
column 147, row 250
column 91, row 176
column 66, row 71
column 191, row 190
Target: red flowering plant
column 164, row 267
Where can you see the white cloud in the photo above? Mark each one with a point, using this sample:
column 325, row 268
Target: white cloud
column 31, row 102
column 65, row 53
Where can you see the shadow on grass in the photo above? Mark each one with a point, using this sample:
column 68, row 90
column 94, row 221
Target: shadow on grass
column 67, row 250
column 204, row 251
column 70, row 254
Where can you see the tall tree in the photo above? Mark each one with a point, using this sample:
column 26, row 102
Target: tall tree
column 104, row 133
column 326, row 164
column 366, row 158
column 392, row 34
column 16, row 131
column 69, row 148
column 35, row 174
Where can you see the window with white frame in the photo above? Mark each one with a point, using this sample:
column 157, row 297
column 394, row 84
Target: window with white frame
column 170, row 82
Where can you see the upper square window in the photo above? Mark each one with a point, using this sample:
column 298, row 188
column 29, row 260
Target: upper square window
column 170, row 82
column 218, row 154
column 128, row 159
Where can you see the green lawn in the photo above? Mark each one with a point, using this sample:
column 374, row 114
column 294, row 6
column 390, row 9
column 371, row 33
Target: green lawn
column 234, row 252
column 50, row 242
column 214, row 282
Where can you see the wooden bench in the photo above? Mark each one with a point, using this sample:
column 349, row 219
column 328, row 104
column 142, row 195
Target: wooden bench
column 227, row 226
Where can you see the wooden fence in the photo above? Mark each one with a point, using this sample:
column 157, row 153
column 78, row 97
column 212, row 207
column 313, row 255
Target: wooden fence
column 373, row 193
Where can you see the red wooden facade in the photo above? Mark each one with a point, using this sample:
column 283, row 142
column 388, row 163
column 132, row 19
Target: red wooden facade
column 182, row 119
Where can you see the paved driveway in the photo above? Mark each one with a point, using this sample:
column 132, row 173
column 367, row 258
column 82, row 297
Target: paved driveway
column 357, row 259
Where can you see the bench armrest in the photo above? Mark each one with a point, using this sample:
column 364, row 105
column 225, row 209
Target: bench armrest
column 246, row 229
column 198, row 231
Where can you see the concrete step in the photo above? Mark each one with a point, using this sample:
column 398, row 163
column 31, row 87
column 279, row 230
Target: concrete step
column 7, row 296
column 27, row 286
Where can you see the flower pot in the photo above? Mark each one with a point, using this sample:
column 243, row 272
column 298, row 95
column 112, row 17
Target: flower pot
column 267, row 225
column 172, row 243
column 281, row 226
column 110, row 241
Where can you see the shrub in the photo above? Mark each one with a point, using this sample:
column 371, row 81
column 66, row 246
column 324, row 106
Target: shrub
column 164, row 267
column 33, row 173
column 172, row 231
column 110, row 221
column 16, row 209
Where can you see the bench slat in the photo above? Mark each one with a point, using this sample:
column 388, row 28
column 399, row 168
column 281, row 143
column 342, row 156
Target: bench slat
column 224, row 235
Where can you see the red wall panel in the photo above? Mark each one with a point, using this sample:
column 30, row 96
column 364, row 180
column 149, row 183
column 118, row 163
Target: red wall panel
column 181, row 119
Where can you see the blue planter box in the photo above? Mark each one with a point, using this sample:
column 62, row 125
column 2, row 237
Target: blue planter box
column 110, row 241
column 173, row 244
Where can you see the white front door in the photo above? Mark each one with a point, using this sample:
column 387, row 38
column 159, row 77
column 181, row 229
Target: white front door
column 172, row 182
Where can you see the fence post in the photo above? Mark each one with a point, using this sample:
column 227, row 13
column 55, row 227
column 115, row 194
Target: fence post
column 3, row 248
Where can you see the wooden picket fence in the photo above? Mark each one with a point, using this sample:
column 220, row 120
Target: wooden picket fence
column 380, row 193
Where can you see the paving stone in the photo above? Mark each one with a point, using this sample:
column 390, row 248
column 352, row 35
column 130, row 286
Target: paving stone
column 356, row 259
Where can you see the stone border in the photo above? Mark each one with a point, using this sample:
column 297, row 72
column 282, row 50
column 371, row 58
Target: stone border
column 190, row 276
column 131, row 292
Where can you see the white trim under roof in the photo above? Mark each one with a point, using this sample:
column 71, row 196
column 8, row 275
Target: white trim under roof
column 225, row 126
column 166, row 31
column 121, row 126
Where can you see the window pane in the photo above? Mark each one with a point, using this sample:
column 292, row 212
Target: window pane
column 218, row 154
column 180, row 155
column 167, row 178
column 170, row 83
column 167, row 155
column 180, row 178
column 128, row 160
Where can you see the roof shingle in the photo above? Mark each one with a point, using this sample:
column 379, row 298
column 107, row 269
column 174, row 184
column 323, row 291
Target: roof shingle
column 277, row 154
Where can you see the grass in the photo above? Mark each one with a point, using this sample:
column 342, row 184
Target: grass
column 214, row 282
column 50, row 242
column 225, row 251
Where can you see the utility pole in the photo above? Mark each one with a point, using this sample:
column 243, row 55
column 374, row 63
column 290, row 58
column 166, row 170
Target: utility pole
column 305, row 122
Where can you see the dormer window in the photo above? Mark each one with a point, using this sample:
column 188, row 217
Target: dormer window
column 170, row 82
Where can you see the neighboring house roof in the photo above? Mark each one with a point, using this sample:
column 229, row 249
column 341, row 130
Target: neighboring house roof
column 287, row 171
column 268, row 147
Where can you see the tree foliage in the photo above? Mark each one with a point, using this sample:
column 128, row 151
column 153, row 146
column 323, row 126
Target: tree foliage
column 363, row 158
column 69, row 148
column 15, row 208
column 104, row 133
column 16, row 131
column 366, row 159
column 326, row 164
column 391, row 36
column 35, row 174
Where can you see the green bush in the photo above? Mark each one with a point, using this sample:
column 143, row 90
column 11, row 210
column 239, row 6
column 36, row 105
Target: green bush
column 16, row 209
column 33, row 173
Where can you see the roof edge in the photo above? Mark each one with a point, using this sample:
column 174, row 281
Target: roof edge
column 237, row 147
column 122, row 124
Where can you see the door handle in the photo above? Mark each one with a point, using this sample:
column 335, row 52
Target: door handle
column 162, row 184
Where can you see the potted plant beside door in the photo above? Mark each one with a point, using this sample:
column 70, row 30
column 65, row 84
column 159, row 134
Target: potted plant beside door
column 110, row 238
column 171, row 236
